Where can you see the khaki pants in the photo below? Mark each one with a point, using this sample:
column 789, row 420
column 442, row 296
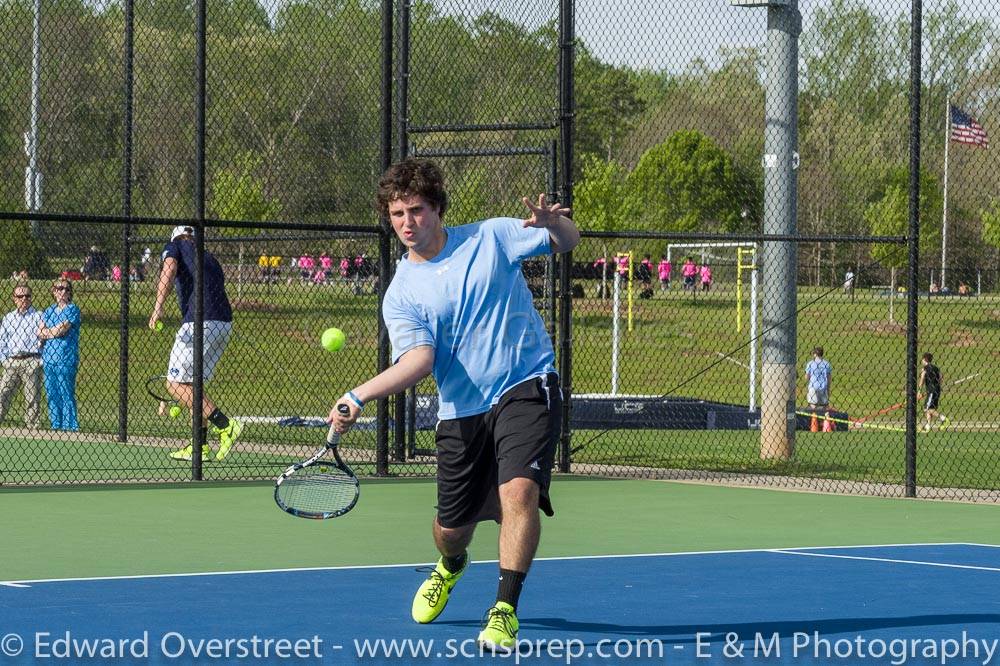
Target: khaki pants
column 26, row 371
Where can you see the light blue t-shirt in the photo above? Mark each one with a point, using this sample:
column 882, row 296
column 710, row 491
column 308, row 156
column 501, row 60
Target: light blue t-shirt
column 819, row 373
column 472, row 305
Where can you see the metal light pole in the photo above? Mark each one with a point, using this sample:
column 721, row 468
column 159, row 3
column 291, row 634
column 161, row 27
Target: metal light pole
column 32, row 177
column 778, row 259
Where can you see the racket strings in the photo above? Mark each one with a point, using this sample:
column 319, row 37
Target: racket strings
column 319, row 489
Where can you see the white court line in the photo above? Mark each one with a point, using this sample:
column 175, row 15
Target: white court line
column 882, row 545
column 23, row 583
column 887, row 559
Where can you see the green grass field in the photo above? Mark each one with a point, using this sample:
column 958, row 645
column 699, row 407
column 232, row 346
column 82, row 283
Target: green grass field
column 275, row 367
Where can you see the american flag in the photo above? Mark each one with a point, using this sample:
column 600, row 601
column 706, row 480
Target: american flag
column 965, row 129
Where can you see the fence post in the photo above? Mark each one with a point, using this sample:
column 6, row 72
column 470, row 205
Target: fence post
column 198, row 433
column 566, row 111
column 914, row 252
column 125, row 309
column 385, row 240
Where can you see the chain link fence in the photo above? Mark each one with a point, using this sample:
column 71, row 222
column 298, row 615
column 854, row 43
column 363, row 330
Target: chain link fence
column 703, row 125
column 673, row 118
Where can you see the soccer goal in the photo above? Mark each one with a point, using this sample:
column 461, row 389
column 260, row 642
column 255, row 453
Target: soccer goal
column 712, row 253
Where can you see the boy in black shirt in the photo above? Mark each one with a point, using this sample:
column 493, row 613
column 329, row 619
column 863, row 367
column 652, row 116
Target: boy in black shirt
column 930, row 382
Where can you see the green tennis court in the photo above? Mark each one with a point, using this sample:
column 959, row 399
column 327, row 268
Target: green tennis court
column 220, row 561
column 74, row 532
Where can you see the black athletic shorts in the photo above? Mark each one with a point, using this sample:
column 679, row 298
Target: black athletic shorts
column 932, row 399
column 516, row 439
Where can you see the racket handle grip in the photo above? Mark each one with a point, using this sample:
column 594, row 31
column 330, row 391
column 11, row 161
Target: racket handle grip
column 332, row 437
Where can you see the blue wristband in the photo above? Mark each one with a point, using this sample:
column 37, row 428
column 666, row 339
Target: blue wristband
column 355, row 399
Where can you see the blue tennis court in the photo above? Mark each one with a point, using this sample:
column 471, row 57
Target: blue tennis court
column 927, row 603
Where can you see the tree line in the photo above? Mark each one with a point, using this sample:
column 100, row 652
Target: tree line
column 293, row 120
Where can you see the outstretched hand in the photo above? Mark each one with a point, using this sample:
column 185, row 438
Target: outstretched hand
column 544, row 215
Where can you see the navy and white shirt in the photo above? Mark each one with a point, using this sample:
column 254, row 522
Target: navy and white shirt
column 217, row 306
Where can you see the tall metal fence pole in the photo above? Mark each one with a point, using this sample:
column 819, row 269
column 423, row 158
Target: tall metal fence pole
column 33, row 179
column 567, row 53
column 916, row 21
column 385, row 240
column 784, row 23
column 125, row 310
column 198, row 434
column 404, row 400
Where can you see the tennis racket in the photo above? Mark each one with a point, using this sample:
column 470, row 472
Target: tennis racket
column 156, row 386
column 321, row 487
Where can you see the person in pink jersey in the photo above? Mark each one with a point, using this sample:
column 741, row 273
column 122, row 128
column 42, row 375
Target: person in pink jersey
column 623, row 266
column 664, row 270
column 601, row 272
column 325, row 266
column 305, row 266
column 689, row 271
column 706, row 277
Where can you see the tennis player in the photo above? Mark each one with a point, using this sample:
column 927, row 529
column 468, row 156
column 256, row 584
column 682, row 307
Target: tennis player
column 459, row 307
column 178, row 271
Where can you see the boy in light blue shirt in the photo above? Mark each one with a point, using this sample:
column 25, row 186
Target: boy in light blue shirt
column 481, row 321
column 459, row 307
column 818, row 376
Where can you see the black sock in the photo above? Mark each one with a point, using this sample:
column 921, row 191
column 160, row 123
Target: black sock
column 218, row 419
column 509, row 588
column 455, row 564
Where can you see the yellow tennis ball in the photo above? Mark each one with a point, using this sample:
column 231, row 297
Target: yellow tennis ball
column 175, row 411
column 333, row 339
column 159, row 325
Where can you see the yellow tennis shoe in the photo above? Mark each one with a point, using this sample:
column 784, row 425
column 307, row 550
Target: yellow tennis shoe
column 185, row 453
column 499, row 634
column 432, row 596
column 228, row 437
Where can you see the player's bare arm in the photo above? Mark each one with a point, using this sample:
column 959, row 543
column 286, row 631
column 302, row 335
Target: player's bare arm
column 166, row 283
column 412, row 366
column 562, row 230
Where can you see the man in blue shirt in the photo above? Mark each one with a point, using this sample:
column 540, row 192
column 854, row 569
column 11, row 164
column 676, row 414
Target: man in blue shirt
column 177, row 272
column 20, row 351
column 459, row 307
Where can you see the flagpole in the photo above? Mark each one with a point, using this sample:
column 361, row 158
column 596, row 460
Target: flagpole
column 944, row 221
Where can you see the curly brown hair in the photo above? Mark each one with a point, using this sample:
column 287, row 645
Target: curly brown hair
column 412, row 177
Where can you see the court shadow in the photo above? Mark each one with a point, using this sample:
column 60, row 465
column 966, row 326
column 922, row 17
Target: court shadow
column 685, row 633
